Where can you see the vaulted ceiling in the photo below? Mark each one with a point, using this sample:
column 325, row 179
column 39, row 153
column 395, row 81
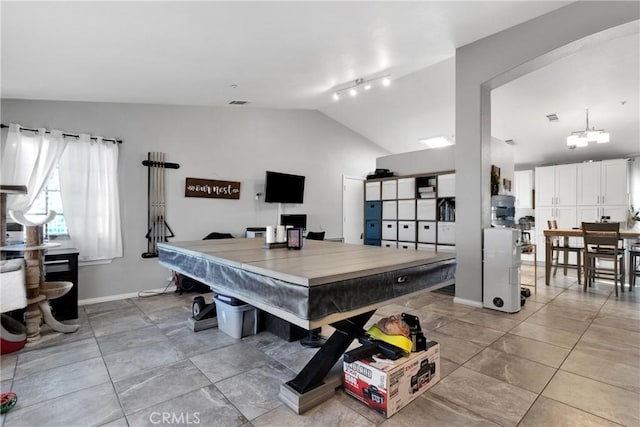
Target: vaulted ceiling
column 293, row 55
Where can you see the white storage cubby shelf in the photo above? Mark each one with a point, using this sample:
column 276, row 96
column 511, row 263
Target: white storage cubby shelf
column 411, row 212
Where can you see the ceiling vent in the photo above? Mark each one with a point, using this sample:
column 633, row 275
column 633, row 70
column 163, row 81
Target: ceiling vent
column 238, row 102
column 552, row 117
column 510, row 142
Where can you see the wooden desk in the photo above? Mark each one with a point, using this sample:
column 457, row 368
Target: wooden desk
column 571, row 232
column 324, row 283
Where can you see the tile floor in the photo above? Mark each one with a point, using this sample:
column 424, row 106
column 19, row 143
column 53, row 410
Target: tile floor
column 568, row 358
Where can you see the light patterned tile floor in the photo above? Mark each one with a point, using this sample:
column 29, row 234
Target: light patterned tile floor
column 568, row 358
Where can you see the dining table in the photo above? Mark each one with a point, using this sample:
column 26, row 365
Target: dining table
column 566, row 233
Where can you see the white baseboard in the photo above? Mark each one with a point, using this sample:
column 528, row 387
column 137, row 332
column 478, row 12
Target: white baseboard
column 464, row 301
column 117, row 297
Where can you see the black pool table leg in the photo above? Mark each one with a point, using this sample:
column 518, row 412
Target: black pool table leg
column 312, row 376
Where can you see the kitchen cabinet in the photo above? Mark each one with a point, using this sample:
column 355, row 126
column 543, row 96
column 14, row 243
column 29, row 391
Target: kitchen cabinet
column 580, row 192
column 556, row 185
column 556, row 188
column 601, row 183
column 595, row 213
column 523, row 189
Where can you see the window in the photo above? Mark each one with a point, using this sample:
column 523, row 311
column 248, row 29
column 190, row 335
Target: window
column 49, row 199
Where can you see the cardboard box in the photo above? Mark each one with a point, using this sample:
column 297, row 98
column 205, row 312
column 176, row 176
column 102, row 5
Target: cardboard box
column 386, row 385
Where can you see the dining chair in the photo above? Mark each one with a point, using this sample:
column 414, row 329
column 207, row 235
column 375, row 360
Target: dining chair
column 634, row 263
column 315, row 235
column 561, row 244
column 602, row 243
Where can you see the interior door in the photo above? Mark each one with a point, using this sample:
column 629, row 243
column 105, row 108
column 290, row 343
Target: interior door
column 352, row 209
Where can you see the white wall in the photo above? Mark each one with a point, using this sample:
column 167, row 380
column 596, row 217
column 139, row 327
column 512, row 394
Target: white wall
column 502, row 157
column 227, row 143
column 489, row 63
column 417, row 162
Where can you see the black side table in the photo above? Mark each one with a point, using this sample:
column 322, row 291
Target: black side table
column 61, row 265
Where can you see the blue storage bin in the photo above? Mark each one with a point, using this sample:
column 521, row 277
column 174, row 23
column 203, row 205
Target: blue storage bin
column 373, row 211
column 372, row 242
column 373, row 230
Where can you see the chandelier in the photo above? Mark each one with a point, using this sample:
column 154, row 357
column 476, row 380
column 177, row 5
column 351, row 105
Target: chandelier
column 582, row 138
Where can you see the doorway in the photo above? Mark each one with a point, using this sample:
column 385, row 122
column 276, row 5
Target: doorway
column 352, row 209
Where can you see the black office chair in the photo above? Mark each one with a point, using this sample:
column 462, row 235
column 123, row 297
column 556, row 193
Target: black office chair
column 314, row 340
column 315, row 235
column 216, row 235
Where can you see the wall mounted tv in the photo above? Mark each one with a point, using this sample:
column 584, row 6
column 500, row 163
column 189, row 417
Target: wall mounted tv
column 284, row 188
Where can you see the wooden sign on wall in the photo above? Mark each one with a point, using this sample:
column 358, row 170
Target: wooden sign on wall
column 212, row 189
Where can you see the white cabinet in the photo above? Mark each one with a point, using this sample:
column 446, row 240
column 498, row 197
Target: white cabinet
column 407, row 231
column 613, row 182
column 426, row 209
column 402, row 211
column 389, row 244
column 601, row 183
column 426, row 231
column 595, row 213
column 406, row 245
column 390, row 209
column 447, row 233
column 447, row 185
column 407, row 188
column 390, row 189
column 372, row 190
column 407, row 209
column 556, row 185
column 589, row 184
column 389, row 230
column 555, row 199
column 523, row 189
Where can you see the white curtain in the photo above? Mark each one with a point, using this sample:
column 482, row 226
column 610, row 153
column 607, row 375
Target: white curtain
column 28, row 159
column 89, row 190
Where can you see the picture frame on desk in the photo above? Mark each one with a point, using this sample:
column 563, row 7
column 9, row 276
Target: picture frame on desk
column 294, row 238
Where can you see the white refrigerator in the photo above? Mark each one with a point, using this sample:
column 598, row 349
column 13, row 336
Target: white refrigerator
column 501, row 275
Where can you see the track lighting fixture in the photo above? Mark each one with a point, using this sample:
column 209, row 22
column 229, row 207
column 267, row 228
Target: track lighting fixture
column 359, row 84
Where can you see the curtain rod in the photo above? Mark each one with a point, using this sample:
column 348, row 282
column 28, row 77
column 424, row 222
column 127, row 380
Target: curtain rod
column 70, row 135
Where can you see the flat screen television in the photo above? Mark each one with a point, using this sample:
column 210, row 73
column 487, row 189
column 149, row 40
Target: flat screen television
column 284, row 188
